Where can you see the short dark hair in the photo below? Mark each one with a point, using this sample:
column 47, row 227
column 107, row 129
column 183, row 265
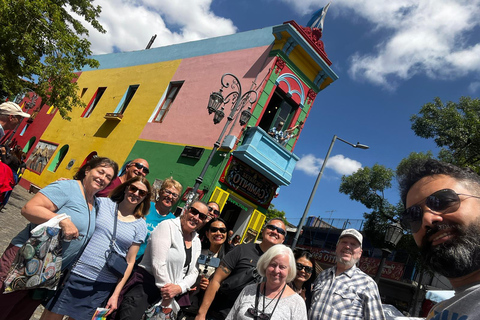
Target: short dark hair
column 420, row 168
column 118, row 194
column 96, row 162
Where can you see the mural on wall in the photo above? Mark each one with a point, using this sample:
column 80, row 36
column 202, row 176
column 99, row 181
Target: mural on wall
column 41, row 155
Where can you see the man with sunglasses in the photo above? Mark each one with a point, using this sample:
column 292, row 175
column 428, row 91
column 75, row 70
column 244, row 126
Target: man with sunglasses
column 442, row 204
column 137, row 167
column 344, row 291
column 237, row 270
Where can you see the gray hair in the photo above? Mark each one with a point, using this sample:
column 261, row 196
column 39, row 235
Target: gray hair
column 277, row 250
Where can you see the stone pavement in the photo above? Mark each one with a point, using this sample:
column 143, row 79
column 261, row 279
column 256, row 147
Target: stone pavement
column 12, row 222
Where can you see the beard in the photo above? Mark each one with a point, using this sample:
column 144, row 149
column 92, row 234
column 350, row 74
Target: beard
column 348, row 264
column 458, row 257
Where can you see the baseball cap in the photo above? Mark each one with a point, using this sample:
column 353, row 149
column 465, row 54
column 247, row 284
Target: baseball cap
column 352, row 233
column 10, row 108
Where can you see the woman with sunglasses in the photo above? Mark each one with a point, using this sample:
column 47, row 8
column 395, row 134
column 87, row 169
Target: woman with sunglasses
column 306, row 274
column 76, row 198
column 273, row 298
column 91, row 283
column 168, row 267
column 214, row 247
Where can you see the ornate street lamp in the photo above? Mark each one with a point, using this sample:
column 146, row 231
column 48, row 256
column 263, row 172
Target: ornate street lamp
column 314, row 190
column 217, row 104
column 392, row 237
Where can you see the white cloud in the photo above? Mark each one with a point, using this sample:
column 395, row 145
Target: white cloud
column 311, row 165
column 131, row 24
column 427, row 37
column 474, row 87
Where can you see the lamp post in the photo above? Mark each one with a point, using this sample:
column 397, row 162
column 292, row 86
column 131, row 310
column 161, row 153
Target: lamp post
column 216, row 105
column 299, row 228
column 392, row 237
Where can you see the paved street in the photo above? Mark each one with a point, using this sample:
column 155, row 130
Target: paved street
column 12, row 222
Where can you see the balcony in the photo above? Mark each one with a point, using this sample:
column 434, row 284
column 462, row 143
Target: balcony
column 264, row 154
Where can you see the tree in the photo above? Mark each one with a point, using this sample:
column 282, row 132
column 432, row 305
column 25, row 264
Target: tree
column 42, row 44
column 455, row 127
column 274, row 213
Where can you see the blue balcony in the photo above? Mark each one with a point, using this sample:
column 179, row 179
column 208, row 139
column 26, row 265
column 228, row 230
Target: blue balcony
column 264, row 154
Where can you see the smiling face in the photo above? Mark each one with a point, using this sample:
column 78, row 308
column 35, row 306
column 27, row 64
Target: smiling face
column 167, row 198
column 136, row 192
column 277, row 270
column 134, row 170
column 302, row 275
column 216, row 236
column 348, row 251
column 190, row 220
column 98, row 178
column 273, row 237
column 448, row 239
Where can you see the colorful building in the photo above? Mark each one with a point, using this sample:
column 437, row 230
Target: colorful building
column 153, row 104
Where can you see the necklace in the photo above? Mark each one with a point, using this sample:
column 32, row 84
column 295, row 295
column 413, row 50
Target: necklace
column 279, row 295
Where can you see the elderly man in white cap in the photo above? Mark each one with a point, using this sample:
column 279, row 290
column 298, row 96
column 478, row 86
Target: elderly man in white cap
column 344, row 291
column 10, row 116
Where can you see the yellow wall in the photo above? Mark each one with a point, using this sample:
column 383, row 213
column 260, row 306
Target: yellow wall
column 107, row 137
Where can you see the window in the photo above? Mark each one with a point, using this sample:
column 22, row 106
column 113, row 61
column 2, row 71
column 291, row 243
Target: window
column 167, row 100
column 127, row 97
column 51, row 110
column 24, row 129
column 280, row 108
column 58, row 158
column 93, row 102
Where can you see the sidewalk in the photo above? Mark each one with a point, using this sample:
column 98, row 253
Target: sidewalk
column 12, row 222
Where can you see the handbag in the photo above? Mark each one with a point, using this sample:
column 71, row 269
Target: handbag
column 38, row 263
column 116, row 263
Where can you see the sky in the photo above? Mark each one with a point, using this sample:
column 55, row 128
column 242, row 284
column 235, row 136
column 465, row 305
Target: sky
column 392, row 57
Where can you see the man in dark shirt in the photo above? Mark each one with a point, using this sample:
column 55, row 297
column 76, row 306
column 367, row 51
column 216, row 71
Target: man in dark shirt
column 237, row 270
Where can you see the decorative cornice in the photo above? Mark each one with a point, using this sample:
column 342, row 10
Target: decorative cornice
column 279, row 65
column 311, row 95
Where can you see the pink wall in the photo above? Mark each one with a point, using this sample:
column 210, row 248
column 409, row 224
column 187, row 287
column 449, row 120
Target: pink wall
column 188, row 121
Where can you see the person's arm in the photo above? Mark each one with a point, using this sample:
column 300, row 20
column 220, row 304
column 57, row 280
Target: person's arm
column 160, row 243
column 220, row 274
column 41, row 209
column 373, row 309
column 112, row 302
column 192, row 275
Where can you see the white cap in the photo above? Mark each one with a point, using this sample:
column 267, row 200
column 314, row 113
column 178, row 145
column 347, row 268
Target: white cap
column 352, row 233
column 10, row 108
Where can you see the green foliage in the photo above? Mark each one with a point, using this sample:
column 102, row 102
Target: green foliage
column 274, row 213
column 455, row 127
column 41, row 46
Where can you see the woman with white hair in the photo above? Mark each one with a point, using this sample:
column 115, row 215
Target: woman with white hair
column 261, row 301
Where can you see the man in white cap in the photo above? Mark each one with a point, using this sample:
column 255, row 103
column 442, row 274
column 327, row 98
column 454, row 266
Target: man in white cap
column 344, row 291
column 10, row 116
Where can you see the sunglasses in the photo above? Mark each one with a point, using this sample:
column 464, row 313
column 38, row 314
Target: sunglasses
column 215, row 212
column 301, row 267
column 259, row 314
column 222, row 230
column 133, row 189
column 279, row 230
column 195, row 212
column 141, row 167
column 442, row 201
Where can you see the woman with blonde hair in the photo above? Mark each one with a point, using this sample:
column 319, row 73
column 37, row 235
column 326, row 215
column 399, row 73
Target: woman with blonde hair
column 273, row 298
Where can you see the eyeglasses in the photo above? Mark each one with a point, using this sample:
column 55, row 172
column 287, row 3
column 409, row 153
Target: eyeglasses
column 442, row 201
column 222, row 230
column 133, row 189
column 141, row 167
column 216, row 212
column 170, row 193
column 279, row 230
column 262, row 316
column 195, row 212
column 301, row 267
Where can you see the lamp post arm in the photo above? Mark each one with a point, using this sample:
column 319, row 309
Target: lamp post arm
column 349, row 143
column 314, row 190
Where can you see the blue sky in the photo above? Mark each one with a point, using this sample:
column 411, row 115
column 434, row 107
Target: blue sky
column 391, row 57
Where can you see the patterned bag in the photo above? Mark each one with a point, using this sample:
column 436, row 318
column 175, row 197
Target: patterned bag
column 38, row 264
column 157, row 312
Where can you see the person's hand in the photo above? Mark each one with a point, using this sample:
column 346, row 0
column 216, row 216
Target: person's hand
column 69, row 230
column 170, row 290
column 204, row 283
column 200, row 317
column 112, row 304
column 3, row 150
